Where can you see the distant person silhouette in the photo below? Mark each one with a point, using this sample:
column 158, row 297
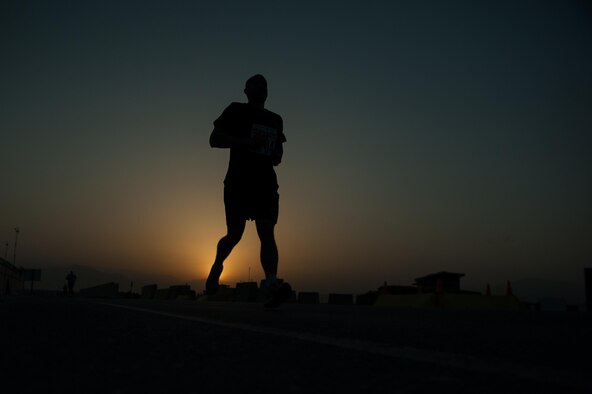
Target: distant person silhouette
column 71, row 278
column 254, row 136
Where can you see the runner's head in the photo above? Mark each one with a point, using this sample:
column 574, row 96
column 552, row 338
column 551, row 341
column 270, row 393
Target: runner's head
column 256, row 89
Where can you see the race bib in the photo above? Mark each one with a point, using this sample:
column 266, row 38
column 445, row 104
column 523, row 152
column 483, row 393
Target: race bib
column 265, row 138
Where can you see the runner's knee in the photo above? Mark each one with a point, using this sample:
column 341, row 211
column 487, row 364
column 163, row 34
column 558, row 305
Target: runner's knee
column 235, row 233
column 233, row 238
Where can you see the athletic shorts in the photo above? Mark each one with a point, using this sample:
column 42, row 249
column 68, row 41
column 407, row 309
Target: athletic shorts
column 251, row 204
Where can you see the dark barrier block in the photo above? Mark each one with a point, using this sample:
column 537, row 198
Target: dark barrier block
column 246, row 292
column 341, row 299
column 161, row 294
column 308, row 297
column 180, row 291
column 149, row 291
column 224, row 294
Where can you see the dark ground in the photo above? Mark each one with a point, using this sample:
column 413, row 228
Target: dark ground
column 53, row 344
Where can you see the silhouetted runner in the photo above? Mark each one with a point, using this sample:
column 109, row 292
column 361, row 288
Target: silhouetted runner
column 255, row 137
column 71, row 278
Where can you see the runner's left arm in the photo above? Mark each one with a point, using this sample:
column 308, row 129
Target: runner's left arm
column 278, row 152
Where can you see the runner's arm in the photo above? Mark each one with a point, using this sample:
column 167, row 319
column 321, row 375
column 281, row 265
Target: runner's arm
column 276, row 157
column 221, row 139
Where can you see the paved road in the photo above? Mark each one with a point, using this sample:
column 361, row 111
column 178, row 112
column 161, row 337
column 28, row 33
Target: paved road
column 138, row 346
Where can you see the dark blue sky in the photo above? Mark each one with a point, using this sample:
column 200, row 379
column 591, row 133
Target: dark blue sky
column 422, row 136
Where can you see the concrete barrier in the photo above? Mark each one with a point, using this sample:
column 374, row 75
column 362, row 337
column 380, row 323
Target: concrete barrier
column 149, row 291
column 181, row 292
column 161, row 294
column 308, row 297
column 224, row 294
column 177, row 292
column 246, row 292
column 341, row 299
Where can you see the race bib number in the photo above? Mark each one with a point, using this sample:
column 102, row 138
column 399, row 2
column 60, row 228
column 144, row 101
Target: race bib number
column 265, row 138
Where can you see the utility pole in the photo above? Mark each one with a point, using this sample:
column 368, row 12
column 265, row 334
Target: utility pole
column 16, row 231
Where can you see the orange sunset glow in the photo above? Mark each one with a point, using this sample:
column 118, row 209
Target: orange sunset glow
column 416, row 141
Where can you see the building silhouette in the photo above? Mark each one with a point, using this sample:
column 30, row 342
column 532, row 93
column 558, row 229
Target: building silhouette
column 11, row 279
column 448, row 282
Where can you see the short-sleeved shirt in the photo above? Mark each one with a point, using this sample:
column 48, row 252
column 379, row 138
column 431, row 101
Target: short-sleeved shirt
column 249, row 167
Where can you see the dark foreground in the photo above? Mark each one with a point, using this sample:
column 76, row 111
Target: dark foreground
column 133, row 346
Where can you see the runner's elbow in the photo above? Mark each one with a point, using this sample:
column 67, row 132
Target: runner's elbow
column 215, row 140
column 219, row 140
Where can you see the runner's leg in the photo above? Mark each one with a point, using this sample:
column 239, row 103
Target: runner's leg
column 269, row 261
column 234, row 234
column 269, row 251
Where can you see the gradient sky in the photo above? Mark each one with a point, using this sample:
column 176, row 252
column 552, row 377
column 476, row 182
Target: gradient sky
column 422, row 136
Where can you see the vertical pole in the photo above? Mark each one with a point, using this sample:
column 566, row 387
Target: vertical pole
column 16, row 230
column 588, row 275
column 6, row 252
